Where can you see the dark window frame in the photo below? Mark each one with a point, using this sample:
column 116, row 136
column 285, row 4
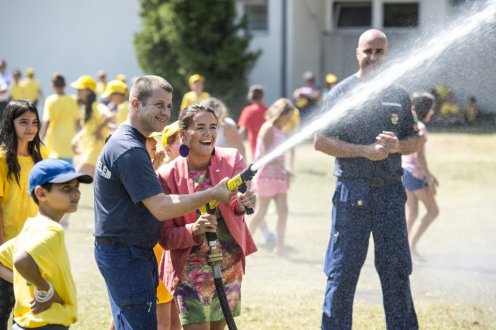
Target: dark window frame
column 257, row 12
column 350, row 14
column 395, row 15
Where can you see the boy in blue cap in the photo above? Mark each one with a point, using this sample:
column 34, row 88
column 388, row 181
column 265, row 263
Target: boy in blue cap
column 36, row 261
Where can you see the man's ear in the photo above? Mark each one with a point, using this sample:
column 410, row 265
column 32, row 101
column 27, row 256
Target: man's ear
column 134, row 103
column 40, row 193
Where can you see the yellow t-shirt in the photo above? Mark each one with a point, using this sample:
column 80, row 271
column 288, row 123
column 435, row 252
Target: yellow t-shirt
column 100, row 87
column 43, row 239
column 190, row 98
column 293, row 122
column 448, row 109
column 62, row 113
column 17, row 204
column 89, row 144
column 163, row 295
column 17, row 92
column 122, row 111
column 31, row 89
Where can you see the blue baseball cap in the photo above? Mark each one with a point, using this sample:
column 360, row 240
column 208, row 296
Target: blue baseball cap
column 54, row 171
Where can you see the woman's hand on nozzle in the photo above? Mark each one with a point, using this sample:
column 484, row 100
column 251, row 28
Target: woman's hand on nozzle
column 205, row 223
column 246, row 200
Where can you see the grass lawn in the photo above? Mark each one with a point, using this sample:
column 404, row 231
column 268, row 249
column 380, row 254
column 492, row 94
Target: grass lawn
column 454, row 289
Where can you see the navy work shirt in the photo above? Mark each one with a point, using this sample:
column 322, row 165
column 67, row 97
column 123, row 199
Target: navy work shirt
column 124, row 176
column 390, row 111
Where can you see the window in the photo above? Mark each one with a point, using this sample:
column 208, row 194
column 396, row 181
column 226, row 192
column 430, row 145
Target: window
column 257, row 13
column 402, row 15
column 352, row 14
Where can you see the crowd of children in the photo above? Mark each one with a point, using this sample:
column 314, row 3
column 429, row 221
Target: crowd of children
column 448, row 112
column 71, row 135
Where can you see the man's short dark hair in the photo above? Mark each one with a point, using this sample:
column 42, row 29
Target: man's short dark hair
column 142, row 89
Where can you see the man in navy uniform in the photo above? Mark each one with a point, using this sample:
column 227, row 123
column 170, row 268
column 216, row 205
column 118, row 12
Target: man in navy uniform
column 369, row 195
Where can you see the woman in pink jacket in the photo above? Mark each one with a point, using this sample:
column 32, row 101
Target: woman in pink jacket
column 184, row 268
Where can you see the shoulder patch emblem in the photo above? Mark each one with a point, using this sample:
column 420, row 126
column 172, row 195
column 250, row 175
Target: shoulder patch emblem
column 394, row 118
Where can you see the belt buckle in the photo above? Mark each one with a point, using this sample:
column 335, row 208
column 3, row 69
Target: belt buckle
column 377, row 182
column 103, row 240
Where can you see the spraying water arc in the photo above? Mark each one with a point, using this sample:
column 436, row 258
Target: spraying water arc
column 418, row 57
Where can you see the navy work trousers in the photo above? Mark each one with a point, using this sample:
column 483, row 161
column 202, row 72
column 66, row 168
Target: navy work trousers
column 131, row 277
column 359, row 210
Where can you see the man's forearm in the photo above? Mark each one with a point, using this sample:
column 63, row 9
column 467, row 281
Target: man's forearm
column 335, row 147
column 410, row 145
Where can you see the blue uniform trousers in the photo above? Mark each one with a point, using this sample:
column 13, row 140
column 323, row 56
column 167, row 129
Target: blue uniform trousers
column 360, row 209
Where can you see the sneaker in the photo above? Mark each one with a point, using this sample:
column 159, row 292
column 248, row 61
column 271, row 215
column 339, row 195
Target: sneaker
column 270, row 238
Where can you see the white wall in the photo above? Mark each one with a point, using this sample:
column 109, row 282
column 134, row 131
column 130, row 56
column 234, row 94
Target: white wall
column 306, row 26
column 267, row 70
column 69, row 36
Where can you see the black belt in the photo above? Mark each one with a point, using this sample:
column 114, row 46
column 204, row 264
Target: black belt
column 104, row 240
column 109, row 240
column 378, row 182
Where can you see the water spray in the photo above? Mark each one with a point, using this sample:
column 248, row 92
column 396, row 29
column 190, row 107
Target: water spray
column 418, row 57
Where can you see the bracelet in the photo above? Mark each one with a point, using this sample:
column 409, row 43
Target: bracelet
column 44, row 296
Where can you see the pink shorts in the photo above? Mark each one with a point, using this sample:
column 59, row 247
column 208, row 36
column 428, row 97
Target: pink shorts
column 270, row 187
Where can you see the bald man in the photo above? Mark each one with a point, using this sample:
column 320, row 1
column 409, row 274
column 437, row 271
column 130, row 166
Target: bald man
column 369, row 195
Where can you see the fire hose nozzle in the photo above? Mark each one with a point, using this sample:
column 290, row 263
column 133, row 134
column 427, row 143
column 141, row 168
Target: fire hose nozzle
column 239, row 181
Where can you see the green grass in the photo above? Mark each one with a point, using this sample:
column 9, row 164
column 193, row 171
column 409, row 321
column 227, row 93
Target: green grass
column 454, row 289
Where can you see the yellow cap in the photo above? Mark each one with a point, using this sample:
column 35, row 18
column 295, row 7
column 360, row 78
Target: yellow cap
column 169, row 131
column 30, row 71
column 196, row 77
column 114, row 86
column 121, row 77
column 155, row 134
column 85, row 82
column 330, row 78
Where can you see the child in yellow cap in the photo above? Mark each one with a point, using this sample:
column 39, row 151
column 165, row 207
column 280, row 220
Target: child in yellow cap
column 167, row 314
column 116, row 92
column 95, row 117
column 31, row 87
column 196, row 94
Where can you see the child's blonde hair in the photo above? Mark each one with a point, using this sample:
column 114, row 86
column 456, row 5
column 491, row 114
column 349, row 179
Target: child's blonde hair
column 279, row 108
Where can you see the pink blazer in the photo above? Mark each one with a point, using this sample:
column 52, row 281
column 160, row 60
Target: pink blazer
column 176, row 235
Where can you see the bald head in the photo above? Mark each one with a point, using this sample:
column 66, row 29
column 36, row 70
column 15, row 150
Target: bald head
column 371, row 51
column 372, row 34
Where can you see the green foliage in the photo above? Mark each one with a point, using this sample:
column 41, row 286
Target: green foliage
column 182, row 37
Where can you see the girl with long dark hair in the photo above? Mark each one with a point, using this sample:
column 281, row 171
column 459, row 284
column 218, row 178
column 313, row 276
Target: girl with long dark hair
column 20, row 149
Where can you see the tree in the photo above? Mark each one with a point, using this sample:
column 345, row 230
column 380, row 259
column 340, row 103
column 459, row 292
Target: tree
column 182, row 37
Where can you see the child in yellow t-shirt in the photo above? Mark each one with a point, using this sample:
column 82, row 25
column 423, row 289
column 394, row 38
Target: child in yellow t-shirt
column 197, row 94
column 60, row 121
column 95, row 117
column 45, row 293
column 31, row 87
column 20, row 149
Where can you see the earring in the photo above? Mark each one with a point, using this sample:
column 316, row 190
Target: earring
column 184, row 150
